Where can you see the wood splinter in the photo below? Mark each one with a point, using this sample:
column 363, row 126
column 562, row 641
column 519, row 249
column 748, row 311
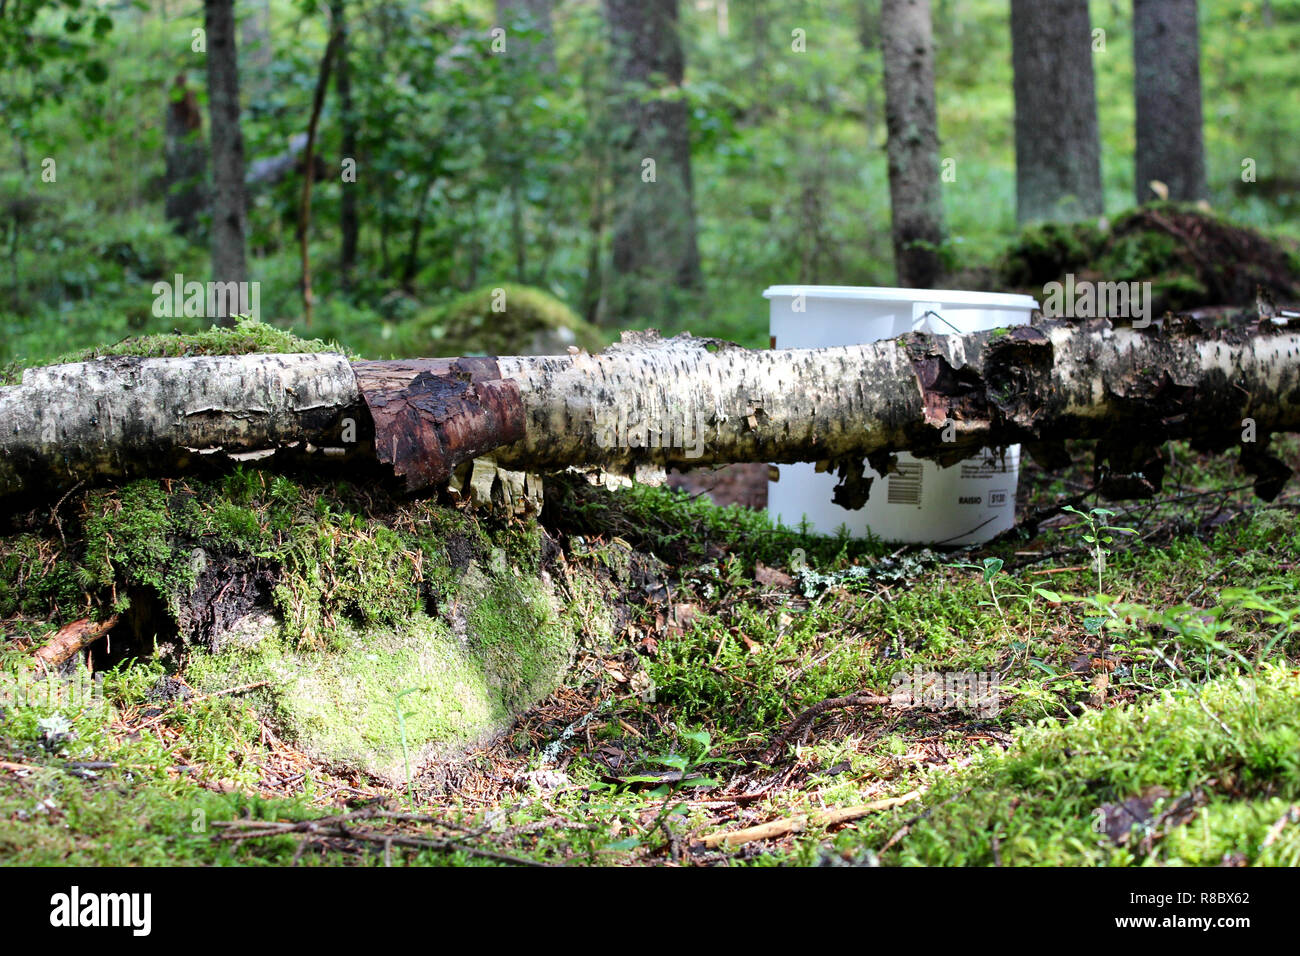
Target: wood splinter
column 71, row 639
column 800, row 822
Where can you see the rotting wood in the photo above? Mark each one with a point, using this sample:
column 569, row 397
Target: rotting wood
column 647, row 403
column 71, row 639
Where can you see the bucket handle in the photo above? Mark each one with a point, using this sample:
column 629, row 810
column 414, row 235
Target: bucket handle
column 921, row 311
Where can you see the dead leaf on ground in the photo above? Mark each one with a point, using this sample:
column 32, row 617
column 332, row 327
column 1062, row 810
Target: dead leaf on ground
column 771, row 577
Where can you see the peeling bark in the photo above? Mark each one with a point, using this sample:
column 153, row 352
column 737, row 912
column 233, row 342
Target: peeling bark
column 647, row 403
column 71, row 639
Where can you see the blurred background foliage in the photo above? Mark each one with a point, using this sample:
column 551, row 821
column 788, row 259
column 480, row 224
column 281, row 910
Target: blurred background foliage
column 473, row 173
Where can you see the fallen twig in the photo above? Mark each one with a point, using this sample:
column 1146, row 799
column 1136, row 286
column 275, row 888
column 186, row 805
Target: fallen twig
column 1292, row 815
column 72, row 638
column 340, row 827
column 801, row 821
column 831, row 703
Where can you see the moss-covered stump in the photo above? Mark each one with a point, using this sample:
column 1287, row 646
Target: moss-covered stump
column 1191, row 257
column 329, row 606
column 504, row 319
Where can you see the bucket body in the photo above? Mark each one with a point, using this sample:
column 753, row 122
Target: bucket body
column 967, row 503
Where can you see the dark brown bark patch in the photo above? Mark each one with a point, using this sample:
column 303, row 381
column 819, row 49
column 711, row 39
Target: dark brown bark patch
column 431, row 415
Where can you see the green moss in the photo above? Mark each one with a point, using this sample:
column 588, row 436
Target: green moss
column 511, row 622
column 506, row 319
column 245, row 337
column 1045, row 252
column 500, row 648
column 1235, row 740
column 374, row 597
column 1136, row 256
column 37, row 580
column 130, row 536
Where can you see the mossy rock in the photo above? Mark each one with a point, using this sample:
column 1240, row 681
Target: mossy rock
column 335, row 599
column 498, row 320
column 459, row 678
column 1191, row 257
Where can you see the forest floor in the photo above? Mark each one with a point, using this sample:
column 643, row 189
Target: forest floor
column 1021, row 703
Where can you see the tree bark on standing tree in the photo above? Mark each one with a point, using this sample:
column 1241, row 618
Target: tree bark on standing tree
column 229, row 209
column 186, row 159
column 1167, row 88
column 349, row 224
column 914, row 189
column 654, row 243
column 1058, row 147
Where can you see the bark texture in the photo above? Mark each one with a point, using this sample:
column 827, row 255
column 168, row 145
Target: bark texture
column 914, row 190
column 122, row 418
column 1058, row 149
column 229, row 211
column 349, row 222
column 1167, row 88
column 184, row 179
column 654, row 240
column 682, row 401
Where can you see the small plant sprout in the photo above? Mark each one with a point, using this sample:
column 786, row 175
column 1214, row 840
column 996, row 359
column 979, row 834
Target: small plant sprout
column 1097, row 534
column 406, row 751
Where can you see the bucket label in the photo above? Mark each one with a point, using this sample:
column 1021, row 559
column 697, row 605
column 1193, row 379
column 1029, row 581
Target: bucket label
column 905, row 484
column 984, row 469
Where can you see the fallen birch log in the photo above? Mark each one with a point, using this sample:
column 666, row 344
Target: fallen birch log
column 649, row 402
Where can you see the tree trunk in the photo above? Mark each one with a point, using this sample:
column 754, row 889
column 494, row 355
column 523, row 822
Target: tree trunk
column 1058, row 149
column 654, row 240
column 309, row 155
column 913, row 148
column 349, row 225
column 228, row 203
column 682, row 402
column 1167, row 88
column 186, row 161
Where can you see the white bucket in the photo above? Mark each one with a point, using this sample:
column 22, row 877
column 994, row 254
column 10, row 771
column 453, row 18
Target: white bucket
column 968, row 503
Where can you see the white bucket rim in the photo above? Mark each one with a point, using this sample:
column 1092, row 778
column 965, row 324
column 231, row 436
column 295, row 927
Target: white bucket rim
column 948, row 297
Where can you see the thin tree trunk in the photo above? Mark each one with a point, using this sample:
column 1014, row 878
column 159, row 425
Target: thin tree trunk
column 1058, row 147
column 654, row 240
column 1167, row 88
column 914, row 195
column 186, row 161
column 229, row 209
column 308, row 175
column 349, row 224
column 651, row 402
